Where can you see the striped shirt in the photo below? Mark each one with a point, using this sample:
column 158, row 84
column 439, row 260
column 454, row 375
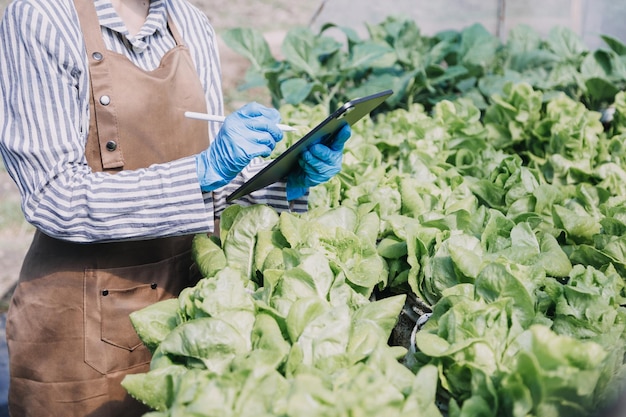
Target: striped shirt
column 44, row 120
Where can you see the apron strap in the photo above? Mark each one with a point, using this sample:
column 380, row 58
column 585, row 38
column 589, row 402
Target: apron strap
column 100, row 102
column 174, row 31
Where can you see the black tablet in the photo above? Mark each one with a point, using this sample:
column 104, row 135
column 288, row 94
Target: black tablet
column 351, row 112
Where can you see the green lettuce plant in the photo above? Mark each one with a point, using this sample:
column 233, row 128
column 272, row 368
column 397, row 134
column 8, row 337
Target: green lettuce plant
column 335, row 64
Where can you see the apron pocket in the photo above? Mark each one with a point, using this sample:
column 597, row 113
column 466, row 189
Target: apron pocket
column 110, row 295
column 116, row 306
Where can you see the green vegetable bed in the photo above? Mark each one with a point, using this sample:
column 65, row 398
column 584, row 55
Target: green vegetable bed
column 506, row 221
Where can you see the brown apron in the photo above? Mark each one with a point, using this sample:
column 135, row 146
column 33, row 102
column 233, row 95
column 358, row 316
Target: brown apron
column 68, row 331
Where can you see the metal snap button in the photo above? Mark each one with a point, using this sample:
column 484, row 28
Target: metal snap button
column 105, row 293
column 153, row 285
column 97, row 56
column 111, row 145
column 105, row 100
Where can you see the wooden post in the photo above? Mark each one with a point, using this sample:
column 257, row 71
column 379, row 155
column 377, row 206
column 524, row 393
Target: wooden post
column 501, row 21
column 577, row 17
column 317, row 12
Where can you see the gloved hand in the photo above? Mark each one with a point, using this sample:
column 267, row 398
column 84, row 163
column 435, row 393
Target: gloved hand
column 317, row 164
column 247, row 133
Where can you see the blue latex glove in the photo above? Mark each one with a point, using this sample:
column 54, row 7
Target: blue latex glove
column 318, row 164
column 247, row 133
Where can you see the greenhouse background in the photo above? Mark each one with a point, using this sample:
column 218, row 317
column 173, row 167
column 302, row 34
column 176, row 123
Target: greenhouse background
column 588, row 18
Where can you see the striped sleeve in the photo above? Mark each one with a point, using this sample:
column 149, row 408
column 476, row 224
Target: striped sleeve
column 43, row 122
column 273, row 195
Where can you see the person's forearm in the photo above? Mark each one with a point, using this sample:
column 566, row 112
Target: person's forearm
column 160, row 201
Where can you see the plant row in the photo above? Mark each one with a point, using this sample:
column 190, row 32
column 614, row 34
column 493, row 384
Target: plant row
column 508, row 222
column 336, row 64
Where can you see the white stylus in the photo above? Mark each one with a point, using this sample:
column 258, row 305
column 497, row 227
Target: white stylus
column 220, row 119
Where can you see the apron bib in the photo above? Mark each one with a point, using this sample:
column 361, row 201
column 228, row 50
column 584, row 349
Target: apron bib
column 70, row 339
